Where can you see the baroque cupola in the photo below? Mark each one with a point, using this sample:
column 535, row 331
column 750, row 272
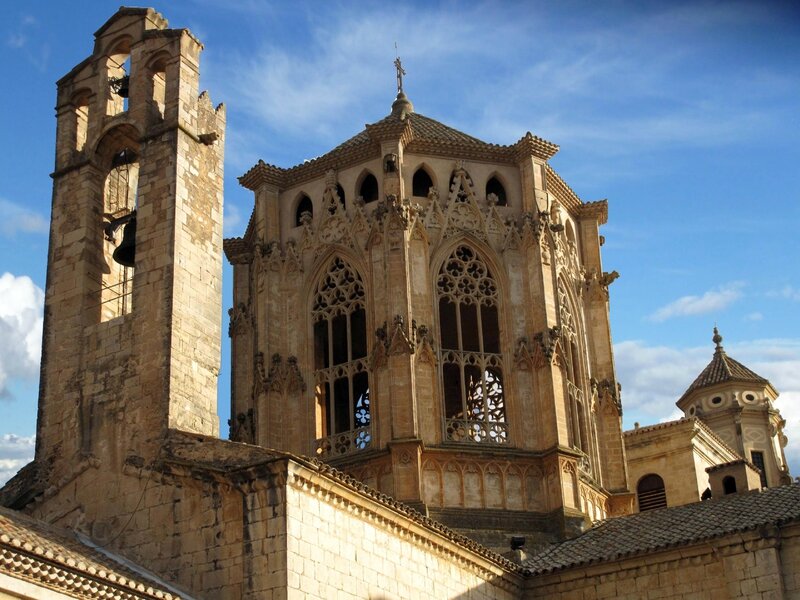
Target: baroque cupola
column 739, row 406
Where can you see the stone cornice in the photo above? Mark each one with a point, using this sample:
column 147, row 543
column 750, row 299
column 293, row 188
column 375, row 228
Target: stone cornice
column 597, row 210
column 563, row 193
column 532, row 145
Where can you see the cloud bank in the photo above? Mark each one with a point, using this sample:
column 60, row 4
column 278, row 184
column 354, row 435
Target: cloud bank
column 21, row 318
column 15, row 452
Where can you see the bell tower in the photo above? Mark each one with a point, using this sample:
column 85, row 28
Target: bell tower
column 132, row 307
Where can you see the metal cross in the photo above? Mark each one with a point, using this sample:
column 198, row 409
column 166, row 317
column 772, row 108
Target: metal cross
column 400, row 72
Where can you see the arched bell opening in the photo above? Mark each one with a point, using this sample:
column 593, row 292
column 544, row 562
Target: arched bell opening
column 118, row 153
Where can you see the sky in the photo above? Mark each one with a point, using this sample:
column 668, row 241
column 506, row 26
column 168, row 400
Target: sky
column 684, row 115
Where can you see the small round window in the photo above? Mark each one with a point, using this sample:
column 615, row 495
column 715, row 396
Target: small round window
column 691, row 411
column 716, row 400
column 750, row 397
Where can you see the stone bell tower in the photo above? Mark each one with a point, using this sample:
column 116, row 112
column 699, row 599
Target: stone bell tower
column 132, row 308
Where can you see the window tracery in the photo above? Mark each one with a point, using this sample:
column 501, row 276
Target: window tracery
column 340, row 362
column 580, row 425
column 472, row 366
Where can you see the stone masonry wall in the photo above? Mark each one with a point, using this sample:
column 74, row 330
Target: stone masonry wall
column 341, row 548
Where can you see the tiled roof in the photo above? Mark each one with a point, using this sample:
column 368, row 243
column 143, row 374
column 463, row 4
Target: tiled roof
column 423, row 134
column 58, row 559
column 664, row 528
column 722, row 369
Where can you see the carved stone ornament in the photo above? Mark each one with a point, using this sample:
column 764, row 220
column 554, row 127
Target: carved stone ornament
column 546, row 346
column 243, row 427
column 523, row 357
column 402, row 340
column 378, row 358
column 425, row 349
column 609, row 395
column 284, row 378
column 597, row 283
column 241, row 320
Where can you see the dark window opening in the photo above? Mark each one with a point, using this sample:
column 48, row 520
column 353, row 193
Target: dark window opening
column 421, row 183
column 340, row 193
column 369, row 188
column 758, row 460
column 493, row 186
column 304, row 206
column 729, row 485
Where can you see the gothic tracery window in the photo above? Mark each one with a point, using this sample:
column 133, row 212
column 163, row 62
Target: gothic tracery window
column 340, row 362
column 579, row 422
column 472, row 369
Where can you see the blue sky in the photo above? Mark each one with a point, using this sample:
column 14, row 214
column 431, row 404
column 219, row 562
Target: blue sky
column 683, row 115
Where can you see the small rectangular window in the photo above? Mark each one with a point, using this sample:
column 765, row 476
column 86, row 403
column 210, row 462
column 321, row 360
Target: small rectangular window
column 757, row 458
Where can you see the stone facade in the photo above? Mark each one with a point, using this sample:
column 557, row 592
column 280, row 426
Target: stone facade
column 424, row 313
column 429, row 313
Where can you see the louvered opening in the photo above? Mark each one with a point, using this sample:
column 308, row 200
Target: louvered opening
column 651, row 493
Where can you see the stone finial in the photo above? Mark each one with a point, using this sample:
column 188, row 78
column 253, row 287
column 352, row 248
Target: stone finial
column 717, row 339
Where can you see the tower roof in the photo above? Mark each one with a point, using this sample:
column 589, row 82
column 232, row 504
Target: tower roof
column 722, row 369
column 421, row 134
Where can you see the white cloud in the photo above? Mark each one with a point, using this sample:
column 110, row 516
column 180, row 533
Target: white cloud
column 754, row 316
column 787, row 292
column 15, row 219
column 712, row 300
column 21, row 317
column 654, row 377
column 15, row 452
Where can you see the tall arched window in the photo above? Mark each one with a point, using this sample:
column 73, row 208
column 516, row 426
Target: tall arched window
column 421, row 183
column 650, row 493
column 579, row 426
column 303, row 206
column 120, row 193
column 472, row 369
column 340, row 362
column 368, row 189
column 493, row 186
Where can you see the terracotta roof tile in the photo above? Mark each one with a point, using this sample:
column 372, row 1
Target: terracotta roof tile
column 669, row 527
column 42, row 553
column 722, row 369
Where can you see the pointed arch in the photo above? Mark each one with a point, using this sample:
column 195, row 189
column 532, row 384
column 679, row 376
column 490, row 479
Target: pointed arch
column 494, row 185
column 303, row 204
column 367, row 187
column 422, row 181
column 471, row 362
column 342, row 387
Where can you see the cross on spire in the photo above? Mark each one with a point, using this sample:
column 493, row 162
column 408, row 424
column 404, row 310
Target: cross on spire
column 400, row 71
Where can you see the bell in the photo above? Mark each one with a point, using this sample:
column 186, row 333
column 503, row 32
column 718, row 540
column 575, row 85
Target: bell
column 125, row 253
